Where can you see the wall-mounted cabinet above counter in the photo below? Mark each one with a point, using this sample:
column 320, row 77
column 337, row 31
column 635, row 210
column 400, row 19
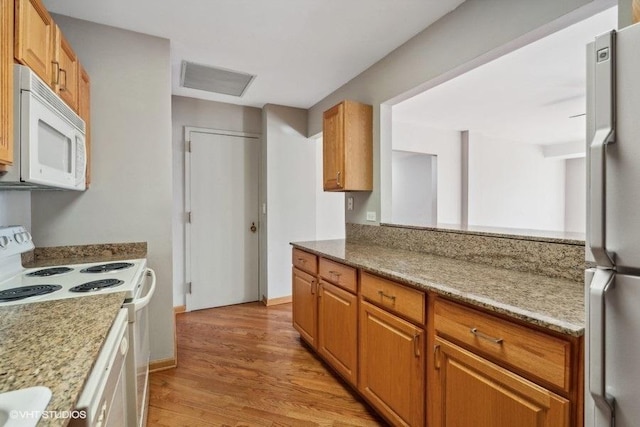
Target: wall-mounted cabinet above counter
column 6, row 82
column 347, row 147
column 41, row 45
column 30, row 37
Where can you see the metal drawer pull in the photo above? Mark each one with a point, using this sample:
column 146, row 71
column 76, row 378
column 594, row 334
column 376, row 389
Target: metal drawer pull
column 56, row 73
column 391, row 297
column 63, row 87
column 478, row 334
column 302, row 260
column 335, row 273
column 416, row 345
column 436, row 356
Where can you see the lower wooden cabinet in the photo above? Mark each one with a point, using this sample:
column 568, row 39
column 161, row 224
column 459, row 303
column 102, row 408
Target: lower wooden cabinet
column 338, row 330
column 473, row 392
column 392, row 363
column 481, row 370
column 304, row 291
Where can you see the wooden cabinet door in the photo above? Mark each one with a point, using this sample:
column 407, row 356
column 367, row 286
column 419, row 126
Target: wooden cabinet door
column 84, row 111
column 34, row 38
column 6, row 82
column 67, row 61
column 304, row 305
column 392, row 368
column 333, row 148
column 473, row 392
column 338, row 330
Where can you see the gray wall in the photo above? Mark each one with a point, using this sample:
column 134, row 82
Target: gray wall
column 130, row 195
column 289, row 191
column 15, row 208
column 575, row 215
column 474, row 33
column 206, row 114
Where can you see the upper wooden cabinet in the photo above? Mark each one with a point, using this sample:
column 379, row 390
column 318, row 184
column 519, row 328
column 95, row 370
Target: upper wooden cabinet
column 6, row 82
column 41, row 45
column 347, row 143
column 34, row 34
column 84, row 111
column 65, row 72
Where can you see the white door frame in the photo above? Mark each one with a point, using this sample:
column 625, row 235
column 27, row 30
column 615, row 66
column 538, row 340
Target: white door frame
column 187, row 196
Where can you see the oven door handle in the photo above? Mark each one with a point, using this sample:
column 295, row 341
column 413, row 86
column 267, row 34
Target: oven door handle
column 141, row 303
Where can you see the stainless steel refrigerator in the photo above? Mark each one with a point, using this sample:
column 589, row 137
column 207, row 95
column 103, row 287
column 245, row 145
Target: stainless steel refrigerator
column 612, row 377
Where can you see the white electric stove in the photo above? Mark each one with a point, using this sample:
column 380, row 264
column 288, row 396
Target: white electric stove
column 19, row 285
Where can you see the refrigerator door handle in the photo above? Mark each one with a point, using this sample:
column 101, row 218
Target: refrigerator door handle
column 604, row 115
column 603, row 281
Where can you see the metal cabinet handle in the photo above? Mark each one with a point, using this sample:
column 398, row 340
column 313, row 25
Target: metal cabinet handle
column 64, row 86
column 436, row 356
column 391, row 297
column 57, row 72
column 416, row 345
column 335, row 273
column 338, row 179
column 479, row 334
column 313, row 287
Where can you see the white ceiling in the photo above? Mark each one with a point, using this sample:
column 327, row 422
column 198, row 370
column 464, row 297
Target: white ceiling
column 525, row 96
column 300, row 50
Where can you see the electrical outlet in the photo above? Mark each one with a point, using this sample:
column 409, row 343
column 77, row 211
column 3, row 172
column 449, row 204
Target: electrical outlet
column 371, row 215
column 349, row 203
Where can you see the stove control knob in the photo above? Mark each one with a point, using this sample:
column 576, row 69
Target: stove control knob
column 4, row 242
column 18, row 237
column 27, row 236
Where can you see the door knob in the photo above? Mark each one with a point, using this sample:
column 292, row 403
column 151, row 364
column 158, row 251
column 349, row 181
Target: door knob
column 253, row 227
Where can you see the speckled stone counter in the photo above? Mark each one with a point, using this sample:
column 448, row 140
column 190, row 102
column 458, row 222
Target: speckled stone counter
column 63, row 255
column 54, row 344
column 561, row 258
column 553, row 303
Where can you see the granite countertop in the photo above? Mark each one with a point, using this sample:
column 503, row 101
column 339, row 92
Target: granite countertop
column 54, row 344
column 552, row 303
column 79, row 254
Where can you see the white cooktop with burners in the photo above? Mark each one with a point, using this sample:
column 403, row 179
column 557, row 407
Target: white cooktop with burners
column 19, row 285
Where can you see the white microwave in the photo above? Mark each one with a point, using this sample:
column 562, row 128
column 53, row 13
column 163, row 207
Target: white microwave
column 49, row 138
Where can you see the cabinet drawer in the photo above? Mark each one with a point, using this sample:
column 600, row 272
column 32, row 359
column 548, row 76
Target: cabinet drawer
column 394, row 297
column 530, row 351
column 339, row 274
column 305, row 261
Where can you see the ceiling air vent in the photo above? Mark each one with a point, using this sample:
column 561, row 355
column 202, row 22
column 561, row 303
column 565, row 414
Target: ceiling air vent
column 216, row 80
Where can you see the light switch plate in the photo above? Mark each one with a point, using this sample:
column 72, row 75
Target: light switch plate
column 371, row 216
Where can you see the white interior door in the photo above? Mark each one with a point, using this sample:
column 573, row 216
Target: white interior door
column 222, row 196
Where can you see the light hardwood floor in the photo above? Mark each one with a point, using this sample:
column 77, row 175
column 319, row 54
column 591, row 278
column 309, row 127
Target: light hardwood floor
column 244, row 365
